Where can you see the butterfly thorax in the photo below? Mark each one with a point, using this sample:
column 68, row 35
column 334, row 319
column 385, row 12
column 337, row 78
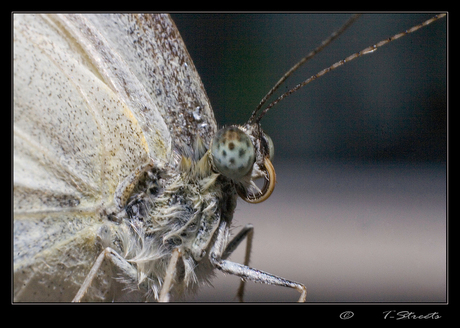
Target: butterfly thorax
column 178, row 205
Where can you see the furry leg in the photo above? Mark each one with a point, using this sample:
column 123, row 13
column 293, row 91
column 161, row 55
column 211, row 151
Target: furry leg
column 116, row 259
column 246, row 232
column 164, row 294
column 246, row 272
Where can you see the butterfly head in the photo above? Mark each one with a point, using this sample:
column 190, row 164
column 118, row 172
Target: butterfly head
column 244, row 153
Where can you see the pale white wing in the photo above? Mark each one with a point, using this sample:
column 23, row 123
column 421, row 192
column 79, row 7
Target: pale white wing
column 85, row 117
column 154, row 53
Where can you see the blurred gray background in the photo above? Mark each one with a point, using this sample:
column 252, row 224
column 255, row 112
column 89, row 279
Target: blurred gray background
column 359, row 209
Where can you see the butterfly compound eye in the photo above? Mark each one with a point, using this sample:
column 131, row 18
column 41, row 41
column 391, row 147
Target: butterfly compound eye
column 233, row 152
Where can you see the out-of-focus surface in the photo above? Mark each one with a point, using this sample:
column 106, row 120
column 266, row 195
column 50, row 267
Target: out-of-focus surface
column 351, row 233
column 359, row 210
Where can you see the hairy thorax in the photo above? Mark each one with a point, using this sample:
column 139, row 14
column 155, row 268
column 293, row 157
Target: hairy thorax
column 174, row 206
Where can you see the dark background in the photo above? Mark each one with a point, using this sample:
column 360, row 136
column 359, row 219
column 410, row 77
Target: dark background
column 390, row 105
column 359, row 210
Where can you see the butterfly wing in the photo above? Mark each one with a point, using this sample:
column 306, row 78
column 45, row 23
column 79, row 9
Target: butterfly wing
column 95, row 96
column 154, row 52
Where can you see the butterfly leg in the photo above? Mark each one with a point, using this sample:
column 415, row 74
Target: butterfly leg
column 247, row 232
column 245, row 272
column 110, row 254
column 164, row 294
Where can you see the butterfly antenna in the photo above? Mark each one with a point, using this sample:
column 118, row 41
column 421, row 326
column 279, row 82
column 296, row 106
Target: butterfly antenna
column 323, row 45
column 365, row 51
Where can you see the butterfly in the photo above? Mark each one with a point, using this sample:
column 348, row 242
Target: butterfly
column 129, row 173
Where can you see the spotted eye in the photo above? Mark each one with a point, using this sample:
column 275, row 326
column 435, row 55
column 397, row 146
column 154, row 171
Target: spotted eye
column 233, row 153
